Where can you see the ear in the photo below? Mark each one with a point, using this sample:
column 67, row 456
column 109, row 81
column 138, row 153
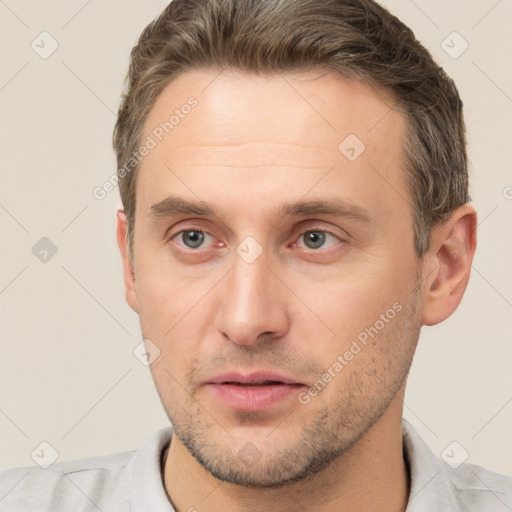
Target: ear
column 448, row 264
column 128, row 271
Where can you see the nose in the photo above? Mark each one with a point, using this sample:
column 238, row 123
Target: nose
column 252, row 303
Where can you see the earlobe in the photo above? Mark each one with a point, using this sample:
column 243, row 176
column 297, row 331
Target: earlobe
column 128, row 270
column 452, row 249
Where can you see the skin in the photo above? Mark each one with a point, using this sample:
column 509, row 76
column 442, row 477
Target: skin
column 250, row 145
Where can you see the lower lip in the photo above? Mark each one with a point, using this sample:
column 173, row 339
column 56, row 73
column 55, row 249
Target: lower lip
column 253, row 398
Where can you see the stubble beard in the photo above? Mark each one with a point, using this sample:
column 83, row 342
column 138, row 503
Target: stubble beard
column 334, row 429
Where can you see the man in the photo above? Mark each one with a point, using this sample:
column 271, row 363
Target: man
column 294, row 183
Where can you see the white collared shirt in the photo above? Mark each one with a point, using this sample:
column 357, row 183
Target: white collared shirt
column 133, row 482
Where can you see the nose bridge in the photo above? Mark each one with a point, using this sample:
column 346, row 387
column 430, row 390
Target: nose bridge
column 250, row 305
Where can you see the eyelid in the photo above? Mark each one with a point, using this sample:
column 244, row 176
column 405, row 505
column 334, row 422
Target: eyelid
column 187, row 224
column 321, row 250
column 341, row 235
column 191, row 228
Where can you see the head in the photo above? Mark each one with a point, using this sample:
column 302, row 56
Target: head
column 294, row 183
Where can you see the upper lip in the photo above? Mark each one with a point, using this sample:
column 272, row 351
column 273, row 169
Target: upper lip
column 256, row 377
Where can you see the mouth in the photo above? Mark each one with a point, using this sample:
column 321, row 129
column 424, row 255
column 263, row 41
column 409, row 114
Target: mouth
column 254, row 384
column 257, row 391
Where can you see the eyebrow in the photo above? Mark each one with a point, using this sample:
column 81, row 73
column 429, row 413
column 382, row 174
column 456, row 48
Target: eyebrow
column 174, row 205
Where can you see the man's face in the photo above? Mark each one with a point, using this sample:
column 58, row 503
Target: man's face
column 323, row 296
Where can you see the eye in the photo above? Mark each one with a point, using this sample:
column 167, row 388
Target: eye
column 316, row 238
column 312, row 239
column 191, row 238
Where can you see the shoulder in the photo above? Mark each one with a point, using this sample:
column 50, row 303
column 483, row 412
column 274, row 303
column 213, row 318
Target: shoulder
column 436, row 485
column 478, row 488
column 65, row 485
column 117, row 483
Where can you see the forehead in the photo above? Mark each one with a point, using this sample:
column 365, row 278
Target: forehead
column 233, row 106
column 259, row 132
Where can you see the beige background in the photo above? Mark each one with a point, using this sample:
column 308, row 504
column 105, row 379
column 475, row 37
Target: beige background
column 68, row 374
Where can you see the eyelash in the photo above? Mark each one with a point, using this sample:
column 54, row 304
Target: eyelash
column 309, row 230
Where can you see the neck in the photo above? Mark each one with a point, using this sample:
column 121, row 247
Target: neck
column 372, row 475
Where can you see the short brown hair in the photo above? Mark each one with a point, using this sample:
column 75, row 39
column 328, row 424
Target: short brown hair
column 356, row 38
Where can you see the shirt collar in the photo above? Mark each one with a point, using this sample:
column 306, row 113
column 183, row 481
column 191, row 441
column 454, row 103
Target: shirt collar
column 146, row 487
column 430, row 487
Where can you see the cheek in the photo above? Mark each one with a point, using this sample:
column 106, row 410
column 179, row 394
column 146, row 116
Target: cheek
column 354, row 299
column 158, row 307
column 173, row 316
column 163, row 293
column 172, row 387
column 372, row 335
